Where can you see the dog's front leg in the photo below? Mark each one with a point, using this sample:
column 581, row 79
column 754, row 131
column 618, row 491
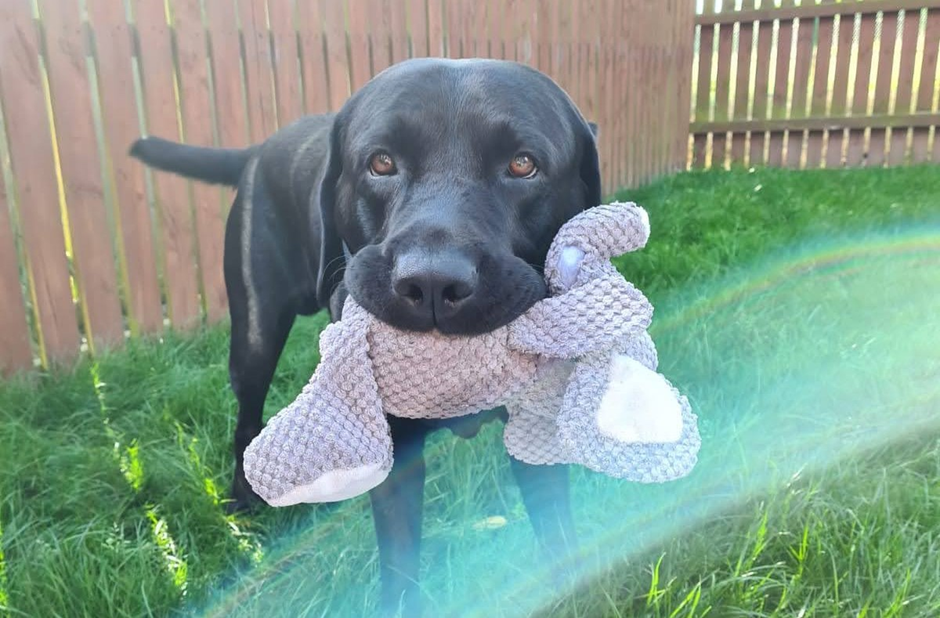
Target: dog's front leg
column 546, row 494
column 397, row 507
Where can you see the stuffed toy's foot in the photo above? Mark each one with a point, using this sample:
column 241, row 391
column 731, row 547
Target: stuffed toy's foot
column 639, row 405
column 335, row 485
column 318, row 450
column 623, row 419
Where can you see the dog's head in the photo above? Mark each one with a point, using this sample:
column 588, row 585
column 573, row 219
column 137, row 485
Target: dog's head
column 447, row 181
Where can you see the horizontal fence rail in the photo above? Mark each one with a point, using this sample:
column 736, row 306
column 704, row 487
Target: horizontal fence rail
column 95, row 249
column 816, row 83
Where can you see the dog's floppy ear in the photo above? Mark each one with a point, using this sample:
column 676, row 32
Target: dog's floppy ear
column 332, row 260
column 590, row 166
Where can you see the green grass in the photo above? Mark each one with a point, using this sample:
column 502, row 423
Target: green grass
column 797, row 310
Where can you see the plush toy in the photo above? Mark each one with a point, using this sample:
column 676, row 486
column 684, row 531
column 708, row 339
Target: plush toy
column 576, row 372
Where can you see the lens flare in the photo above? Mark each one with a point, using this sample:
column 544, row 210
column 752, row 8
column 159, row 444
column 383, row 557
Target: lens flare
column 800, row 364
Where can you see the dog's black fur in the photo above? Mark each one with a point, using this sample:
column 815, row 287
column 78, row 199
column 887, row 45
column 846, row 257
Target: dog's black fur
column 312, row 223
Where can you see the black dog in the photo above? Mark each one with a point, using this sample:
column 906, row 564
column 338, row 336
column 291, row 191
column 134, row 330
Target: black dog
column 432, row 198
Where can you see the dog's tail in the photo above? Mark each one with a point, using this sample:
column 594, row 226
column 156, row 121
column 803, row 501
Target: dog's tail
column 213, row 165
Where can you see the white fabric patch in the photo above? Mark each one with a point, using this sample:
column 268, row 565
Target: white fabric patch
column 335, row 486
column 639, row 406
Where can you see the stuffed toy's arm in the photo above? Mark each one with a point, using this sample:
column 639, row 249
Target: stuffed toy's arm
column 591, row 317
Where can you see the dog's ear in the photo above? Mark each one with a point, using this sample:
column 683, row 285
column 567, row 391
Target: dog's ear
column 332, row 259
column 590, row 165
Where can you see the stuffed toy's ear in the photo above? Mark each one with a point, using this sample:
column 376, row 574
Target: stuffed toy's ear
column 604, row 232
column 592, row 238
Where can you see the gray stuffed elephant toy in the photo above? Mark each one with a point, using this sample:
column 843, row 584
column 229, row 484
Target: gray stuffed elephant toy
column 577, row 373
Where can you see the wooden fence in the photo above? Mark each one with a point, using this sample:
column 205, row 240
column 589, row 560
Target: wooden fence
column 822, row 84
column 93, row 248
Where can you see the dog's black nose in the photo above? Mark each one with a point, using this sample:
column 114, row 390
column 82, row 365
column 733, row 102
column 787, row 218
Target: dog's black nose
column 433, row 285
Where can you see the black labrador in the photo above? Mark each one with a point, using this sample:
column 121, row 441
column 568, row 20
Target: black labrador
column 432, row 197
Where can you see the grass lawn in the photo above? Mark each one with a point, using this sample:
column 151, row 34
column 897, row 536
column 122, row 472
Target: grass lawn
column 799, row 312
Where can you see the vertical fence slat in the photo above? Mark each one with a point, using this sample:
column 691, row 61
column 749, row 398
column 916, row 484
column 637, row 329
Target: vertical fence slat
column 231, row 116
column 742, row 86
column 877, row 140
column 604, row 96
column 591, row 28
column 815, row 140
column 658, row 127
column 171, row 191
column 574, row 52
column 31, row 157
column 605, row 70
column 334, row 25
column 781, row 85
column 116, row 88
column 481, row 30
column 621, row 87
column 639, row 97
column 468, row 16
column 586, row 62
column 286, row 62
column 620, row 93
column 380, row 35
column 261, row 104
column 15, row 351
column 196, row 112
column 81, row 173
column 418, row 27
column 925, row 91
column 523, row 21
column 669, row 49
column 313, row 58
column 897, row 148
column 435, row 16
column 703, row 96
column 558, row 49
column 801, row 67
column 399, row 36
column 545, row 24
column 722, row 90
column 761, row 85
column 452, row 25
column 626, row 90
column 840, row 86
column 856, row 153
column 686, row 33
column 360, row 70
column 495, row 22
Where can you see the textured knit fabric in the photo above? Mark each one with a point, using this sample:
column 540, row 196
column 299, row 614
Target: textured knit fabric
column 550, row 368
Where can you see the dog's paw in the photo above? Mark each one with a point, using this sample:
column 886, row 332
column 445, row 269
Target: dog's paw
column 242, row 499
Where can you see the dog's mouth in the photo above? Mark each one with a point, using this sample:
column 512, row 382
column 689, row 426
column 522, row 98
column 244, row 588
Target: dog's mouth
column 505, row 287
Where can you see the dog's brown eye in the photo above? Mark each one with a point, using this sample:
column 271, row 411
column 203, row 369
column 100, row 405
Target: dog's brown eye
column 382, row 164
column 522, row 166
